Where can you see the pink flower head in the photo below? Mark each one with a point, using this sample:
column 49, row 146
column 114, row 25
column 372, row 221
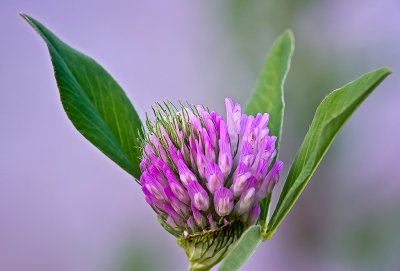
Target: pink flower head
column 201, row 171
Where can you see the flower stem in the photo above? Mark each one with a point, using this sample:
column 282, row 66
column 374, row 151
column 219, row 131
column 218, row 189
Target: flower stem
column 195, row 268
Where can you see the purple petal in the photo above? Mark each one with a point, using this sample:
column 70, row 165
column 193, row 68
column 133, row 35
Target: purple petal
column 151, row 200
column 157, row 175
column 214, row 176
column 223, row 201
column 233, row 118
column 198, row 217
column 243, row 122
column 270, row 180
column 211, row 130
column 259, row 152
column 248, row 128
column 261, row 120
column 262, row 135
column 173, row 154
column 176, row 188
column 172, row 213
column 185, row 174
column 247, row 197
column 194, row 121
column 200, row 159
column 208, row 147
column 217, row 120
column 225, row 155
column 154, row 187
column 178, row 206
column 199, row 196
column 240, row 177
column 225, row 159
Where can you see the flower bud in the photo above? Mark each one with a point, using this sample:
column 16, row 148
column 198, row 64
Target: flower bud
column 270, row 180
column 225, row 155
column 223, row 201
column 204, row 176
column 247, row 198
column 185, row 174
column 214, row 177
column 233, row 115
column 198, row 196
column 240, row 178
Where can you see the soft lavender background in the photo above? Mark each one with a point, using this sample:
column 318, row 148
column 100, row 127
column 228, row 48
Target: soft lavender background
column 66, row 207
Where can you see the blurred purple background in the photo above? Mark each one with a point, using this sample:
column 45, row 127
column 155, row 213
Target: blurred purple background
column 66, row 207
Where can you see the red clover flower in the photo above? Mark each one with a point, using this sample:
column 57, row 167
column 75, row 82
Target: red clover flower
column 204, row 175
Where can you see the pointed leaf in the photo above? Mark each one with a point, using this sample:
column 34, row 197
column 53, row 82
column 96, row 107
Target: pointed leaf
column 330, row 116
column 94, row 102
column 244, row 248
column 268, row 95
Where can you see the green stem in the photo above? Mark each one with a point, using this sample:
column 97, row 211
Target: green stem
column 194, row 268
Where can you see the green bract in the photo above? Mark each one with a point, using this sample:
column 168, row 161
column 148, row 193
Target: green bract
column 102, row 113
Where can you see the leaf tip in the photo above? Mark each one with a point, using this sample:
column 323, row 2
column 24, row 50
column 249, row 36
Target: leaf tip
column 289, row 32
column 288, row 35
column 25, row 17
column 383, row 72
column 36, row 25
column 30, row 20
column 386, row 70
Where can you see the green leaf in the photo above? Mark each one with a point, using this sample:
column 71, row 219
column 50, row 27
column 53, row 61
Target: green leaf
column 267, row 96
column 94, row 102
column 330, row 116
column 243, row 249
